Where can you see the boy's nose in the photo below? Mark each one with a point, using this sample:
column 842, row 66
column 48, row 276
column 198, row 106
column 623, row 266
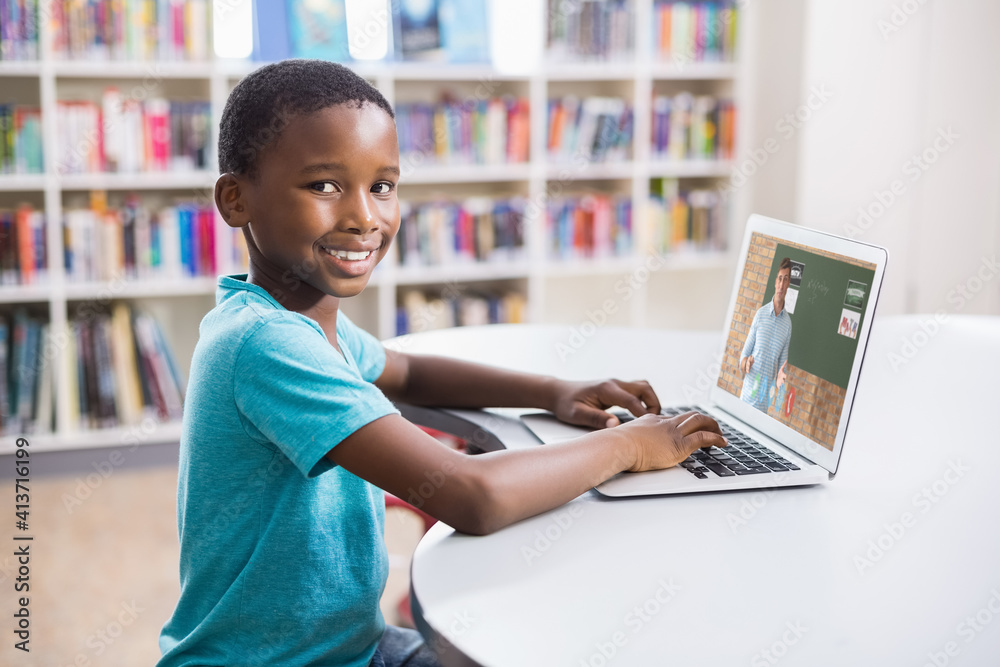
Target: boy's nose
column 358, row 217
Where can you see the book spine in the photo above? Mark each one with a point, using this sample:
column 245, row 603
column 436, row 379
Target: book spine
column 5, row 411
column 26, row 265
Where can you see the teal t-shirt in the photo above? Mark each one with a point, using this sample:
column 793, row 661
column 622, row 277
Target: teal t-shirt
column 282, row 558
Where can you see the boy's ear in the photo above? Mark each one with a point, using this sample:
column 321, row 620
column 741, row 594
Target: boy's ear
column 231, row 201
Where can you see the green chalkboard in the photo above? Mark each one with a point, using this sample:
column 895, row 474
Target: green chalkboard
column 823, row 296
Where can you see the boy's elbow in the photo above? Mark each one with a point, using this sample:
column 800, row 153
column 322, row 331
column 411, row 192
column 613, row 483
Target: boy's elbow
column 483, row 510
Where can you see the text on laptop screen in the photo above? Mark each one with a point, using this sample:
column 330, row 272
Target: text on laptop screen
column 794, row 334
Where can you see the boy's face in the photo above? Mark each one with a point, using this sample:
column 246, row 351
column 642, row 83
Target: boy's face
column 323, row 208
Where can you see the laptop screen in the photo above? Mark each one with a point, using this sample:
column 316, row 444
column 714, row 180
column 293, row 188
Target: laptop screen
column 797, row 321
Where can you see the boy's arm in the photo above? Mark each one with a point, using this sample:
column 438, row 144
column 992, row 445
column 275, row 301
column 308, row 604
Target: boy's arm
column 445, row 382
column 483, row 493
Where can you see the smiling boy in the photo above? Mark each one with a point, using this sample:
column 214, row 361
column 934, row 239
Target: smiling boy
column 288, row 428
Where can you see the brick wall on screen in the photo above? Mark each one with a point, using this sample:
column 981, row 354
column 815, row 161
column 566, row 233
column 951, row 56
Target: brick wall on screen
column 817, row 404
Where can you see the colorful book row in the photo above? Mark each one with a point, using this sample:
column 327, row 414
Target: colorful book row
column 689, row 127
column 131, row 29
column 133, row 242
column 20, row 140
column 129, row 136
column 685, row 32
column 19, row 30
column 454, row 306
column 22, row 246
column 470, row 132
column 598, row 129
column 477, row 229
column 693, row 220
column 590, row 30
column 456, row 31
column 590, row 226
column 121, row 370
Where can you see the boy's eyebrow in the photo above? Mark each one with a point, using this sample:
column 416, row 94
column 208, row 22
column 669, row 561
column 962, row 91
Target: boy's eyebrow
column 320, row 167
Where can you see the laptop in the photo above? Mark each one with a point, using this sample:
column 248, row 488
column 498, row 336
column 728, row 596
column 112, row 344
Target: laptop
column 802, row 307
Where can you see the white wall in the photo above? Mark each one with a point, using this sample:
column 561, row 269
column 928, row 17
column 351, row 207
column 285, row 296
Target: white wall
column 901, row 82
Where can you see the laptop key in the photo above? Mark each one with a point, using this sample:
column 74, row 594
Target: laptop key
column 752, row 471
column 720, row 470
column 775, row 466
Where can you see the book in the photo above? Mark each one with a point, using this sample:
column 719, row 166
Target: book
column 686, row 32
column 416, row 29
column 130, row 29
column 600, row 30
column 476, row 229
column 23, row 246
column 685, row 220
column 128, row 395
column 120, row 369
column 464, row 132
column 161, row 374
column 45, row 396
column 271, row 39
column 130, row 136
column 689, row 127
column 20, row 139
column 134, row 242
column 589, row 226
column 19, row 30
column 422, row 311
column 5, row 408
column 317, row 29
column 598, row 129
column 464, row 28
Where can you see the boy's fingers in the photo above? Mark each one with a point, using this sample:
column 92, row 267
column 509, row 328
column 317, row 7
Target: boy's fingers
column 645, row 392
column 616, row 394
column 699, row 422
column 701, row 439
column 584, row 415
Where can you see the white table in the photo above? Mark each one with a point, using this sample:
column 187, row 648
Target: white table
column 896, row 561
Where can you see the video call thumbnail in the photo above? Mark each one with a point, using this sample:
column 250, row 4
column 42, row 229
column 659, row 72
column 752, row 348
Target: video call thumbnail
column 794, row 334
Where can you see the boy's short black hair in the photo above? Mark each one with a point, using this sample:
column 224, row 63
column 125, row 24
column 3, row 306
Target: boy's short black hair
column 264, row 101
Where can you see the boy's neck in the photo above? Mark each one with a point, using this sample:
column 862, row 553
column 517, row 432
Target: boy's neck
column 299, row 297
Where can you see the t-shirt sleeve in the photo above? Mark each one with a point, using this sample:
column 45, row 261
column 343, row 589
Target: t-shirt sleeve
column 367, row 351
column 296, row 391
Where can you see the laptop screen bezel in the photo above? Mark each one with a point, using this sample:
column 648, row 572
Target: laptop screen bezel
column 787, row 436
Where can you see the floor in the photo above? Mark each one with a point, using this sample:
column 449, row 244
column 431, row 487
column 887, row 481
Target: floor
column 103, row 563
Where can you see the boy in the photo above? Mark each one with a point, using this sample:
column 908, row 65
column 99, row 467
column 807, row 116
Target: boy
column 288, row 425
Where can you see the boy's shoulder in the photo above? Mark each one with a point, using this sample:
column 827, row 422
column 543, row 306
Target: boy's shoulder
column 244, row 311
column 245, row 315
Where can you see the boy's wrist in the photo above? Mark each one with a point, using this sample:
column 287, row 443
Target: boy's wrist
column 552, row 389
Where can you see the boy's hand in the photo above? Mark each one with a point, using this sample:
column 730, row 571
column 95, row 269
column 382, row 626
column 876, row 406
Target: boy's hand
column 583, row 403
column 663, row 442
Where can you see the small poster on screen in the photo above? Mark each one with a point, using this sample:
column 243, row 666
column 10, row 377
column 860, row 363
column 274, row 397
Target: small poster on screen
column 855, row 295
column 849, row 321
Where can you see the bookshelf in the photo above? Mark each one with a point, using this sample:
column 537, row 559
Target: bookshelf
column 553, row 290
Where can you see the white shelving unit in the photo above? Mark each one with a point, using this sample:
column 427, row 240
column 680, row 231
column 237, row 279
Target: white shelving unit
column 180, row 305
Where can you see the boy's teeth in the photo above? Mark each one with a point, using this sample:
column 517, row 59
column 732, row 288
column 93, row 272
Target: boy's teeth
column 348, row 254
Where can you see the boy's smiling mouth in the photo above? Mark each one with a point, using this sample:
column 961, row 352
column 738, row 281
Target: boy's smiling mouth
column 352, row 263
column 349, row 255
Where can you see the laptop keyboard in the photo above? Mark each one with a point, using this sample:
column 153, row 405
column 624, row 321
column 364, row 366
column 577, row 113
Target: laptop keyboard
column 743, row 456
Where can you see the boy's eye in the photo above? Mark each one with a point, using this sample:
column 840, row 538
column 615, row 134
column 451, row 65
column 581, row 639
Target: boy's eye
column 382, row 188
column 325, row 186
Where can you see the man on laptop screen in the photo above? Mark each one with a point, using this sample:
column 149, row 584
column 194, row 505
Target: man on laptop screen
column 826, row 308
column 765, row 351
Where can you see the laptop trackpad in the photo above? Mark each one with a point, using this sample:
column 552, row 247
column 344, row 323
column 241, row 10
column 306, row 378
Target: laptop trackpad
column 548, row 429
